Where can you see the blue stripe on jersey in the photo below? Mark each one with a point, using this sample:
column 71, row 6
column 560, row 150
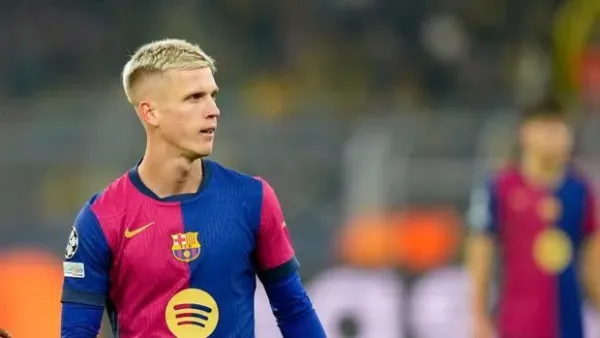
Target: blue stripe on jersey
column 226, row 216
column 572, row 196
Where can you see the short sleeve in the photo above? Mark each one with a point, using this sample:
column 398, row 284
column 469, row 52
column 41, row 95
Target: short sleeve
column 274, row 250
column 482, row 215
column 590, row 222
column 87, row 262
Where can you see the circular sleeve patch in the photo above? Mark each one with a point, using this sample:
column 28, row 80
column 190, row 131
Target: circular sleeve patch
column 72, row 245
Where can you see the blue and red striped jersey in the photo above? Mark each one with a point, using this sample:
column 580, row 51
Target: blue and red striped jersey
column 182, row 266
column 540, row 232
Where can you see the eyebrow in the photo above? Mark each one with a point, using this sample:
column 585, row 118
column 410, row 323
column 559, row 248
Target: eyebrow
column 202, row 92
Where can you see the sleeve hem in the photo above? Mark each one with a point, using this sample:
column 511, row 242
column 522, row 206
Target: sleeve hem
column 83, row 297
column 279, row 272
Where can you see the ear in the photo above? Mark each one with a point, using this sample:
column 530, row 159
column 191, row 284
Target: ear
column 147, row 113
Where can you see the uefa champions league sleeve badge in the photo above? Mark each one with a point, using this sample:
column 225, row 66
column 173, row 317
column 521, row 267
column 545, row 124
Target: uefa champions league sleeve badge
column 72, row 244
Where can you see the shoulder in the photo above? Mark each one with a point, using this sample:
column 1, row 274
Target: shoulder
column 236, row 180
column 499, row 179
column 578, row 175
column 112, row 200
column 507, row 175
column 577, row 179
column 253, row 189
column 105, row 211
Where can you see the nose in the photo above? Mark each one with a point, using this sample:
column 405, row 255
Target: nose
column 214, row 110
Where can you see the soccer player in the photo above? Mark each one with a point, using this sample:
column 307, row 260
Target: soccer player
column 173, row 247
column 541, row 214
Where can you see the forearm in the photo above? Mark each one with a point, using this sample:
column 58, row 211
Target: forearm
column 593, row 292
column 591, row 271
column 479, row 264
column 80, row 320
column 293, row 309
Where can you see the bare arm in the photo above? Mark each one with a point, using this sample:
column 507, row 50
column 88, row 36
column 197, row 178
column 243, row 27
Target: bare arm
column 591, row 250
column 591, row 269
column 482, row 219
column 480, row 258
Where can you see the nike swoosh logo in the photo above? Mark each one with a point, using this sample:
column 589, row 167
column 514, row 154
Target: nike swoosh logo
column 132, row 233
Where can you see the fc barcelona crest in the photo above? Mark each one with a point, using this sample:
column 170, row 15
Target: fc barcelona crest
column 186, row 246
column 549, row 209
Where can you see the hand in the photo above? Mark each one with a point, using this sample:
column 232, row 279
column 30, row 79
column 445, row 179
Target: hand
column 484, row 328
column 4, row 334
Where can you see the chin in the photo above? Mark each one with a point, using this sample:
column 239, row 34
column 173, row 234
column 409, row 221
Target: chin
column 196, row 154
column 206, row 151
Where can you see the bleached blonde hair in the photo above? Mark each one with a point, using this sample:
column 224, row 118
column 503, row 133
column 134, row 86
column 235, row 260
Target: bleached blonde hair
column 156, row 57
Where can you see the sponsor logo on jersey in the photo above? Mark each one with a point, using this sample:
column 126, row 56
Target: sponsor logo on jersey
column 74, row 270
column 192, row 313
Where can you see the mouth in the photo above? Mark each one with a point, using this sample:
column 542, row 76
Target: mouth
column 208, row 131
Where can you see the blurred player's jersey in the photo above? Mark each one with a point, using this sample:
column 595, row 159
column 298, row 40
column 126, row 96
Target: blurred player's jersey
column 183, row 266
column 539, row 232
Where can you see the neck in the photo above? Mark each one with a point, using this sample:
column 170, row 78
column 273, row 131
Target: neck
column 541, row 171
column 166, row 173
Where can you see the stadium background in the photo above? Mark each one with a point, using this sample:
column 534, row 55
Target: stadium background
column 373, row 119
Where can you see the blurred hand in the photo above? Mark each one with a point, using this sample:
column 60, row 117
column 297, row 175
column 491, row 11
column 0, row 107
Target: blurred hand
column 484, row 328
column 4, row 334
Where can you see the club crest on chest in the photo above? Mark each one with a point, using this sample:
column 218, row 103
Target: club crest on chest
column 549, row 209
column 186, row 246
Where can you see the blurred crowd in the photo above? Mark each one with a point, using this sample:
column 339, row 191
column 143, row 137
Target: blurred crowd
column 351, row 56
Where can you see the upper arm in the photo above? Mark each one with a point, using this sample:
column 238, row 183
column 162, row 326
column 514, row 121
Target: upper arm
column 87, row 262
column 483, row 210
column 274, row 251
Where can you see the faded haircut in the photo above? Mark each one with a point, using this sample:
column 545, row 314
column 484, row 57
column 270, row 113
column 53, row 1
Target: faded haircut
column 156, row 57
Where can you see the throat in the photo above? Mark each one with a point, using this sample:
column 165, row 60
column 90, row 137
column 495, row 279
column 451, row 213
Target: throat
column 171, row 178
column 543, row 174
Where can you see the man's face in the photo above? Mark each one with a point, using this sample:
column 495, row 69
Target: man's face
column 551, row 139
column 186, row 111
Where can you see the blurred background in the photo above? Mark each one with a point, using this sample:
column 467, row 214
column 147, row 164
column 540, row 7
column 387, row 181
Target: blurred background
column 372, row 119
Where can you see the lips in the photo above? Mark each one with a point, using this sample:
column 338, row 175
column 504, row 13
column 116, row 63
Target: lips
column 208, row 131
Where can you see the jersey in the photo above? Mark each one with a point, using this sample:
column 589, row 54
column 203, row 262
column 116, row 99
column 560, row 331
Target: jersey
column 182, row 266
column 539, row 233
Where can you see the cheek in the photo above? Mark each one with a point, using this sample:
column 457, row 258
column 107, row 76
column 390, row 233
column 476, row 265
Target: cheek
column 177, row 118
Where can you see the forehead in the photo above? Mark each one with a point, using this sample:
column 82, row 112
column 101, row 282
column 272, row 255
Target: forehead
column 201, row 79
column 544, row 122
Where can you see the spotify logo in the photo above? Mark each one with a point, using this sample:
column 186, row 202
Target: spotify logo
column 192, row 313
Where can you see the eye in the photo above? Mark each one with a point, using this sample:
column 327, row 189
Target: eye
column 214, row 94
column 195, row 96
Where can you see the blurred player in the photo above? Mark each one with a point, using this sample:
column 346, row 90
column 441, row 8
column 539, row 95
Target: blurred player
column 539, row 212
column 4, row 334
column 173, row 247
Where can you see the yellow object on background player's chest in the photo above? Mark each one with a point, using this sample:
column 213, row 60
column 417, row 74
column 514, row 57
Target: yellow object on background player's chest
column 552, row 247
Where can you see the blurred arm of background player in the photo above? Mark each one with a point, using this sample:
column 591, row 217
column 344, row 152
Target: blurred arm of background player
column 480, row 259
column 590, row 255
column 591, row 269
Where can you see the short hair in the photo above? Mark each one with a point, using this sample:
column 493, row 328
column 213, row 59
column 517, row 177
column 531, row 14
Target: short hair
column 158, row 56
column 547, row 109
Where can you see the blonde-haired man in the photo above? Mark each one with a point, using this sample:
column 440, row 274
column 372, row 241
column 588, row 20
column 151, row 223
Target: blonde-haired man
column 173, row 247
